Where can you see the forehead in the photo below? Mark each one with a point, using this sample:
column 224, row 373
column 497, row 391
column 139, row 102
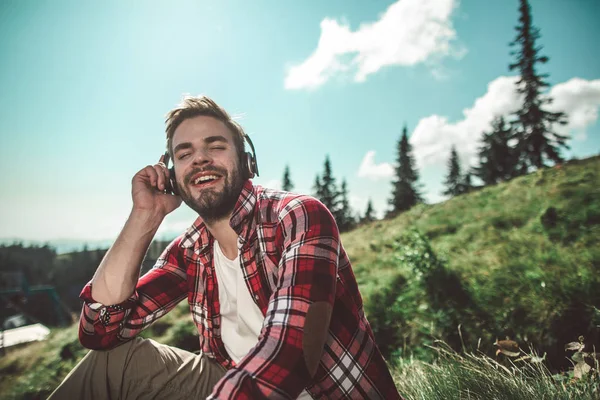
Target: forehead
column 198, row 128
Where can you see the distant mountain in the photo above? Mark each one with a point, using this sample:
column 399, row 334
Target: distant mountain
column 61, row 245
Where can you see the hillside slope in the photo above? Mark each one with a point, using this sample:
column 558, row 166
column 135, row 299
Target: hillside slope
column 526, row 254
column 518, row 259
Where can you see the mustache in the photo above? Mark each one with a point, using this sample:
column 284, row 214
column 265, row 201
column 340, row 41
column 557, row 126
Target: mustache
column 193, row 172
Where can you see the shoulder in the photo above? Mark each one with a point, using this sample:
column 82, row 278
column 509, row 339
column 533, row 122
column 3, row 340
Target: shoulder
column 296, row 216
column 275, row 205
column 173, row 253
column 177, row 244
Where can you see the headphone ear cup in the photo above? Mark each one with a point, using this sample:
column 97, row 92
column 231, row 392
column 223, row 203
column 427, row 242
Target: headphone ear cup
column 250, row 165
column 173, row 181
column 250, row 159
column 245, row 166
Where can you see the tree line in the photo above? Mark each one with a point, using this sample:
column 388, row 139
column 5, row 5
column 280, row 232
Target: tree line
column 517, row 144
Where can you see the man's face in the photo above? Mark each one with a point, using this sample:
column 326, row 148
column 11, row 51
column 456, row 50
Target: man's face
column 206, row 167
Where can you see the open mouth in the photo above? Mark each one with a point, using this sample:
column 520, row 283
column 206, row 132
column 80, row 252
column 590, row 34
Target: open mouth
column 205, row 180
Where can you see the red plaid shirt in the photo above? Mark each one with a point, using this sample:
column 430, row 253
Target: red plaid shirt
column 291, row 257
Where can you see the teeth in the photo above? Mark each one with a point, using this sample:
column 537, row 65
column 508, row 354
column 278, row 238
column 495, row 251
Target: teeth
column 205, row 178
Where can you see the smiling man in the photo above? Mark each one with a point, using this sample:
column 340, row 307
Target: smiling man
column 269, row 285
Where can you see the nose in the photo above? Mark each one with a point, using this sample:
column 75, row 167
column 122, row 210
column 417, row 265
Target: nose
column 202, row 158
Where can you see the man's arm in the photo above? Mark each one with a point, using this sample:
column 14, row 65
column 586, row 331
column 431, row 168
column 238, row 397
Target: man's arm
column 110, row 296
column 118, row 273
column 104, row 326
column 295, row 329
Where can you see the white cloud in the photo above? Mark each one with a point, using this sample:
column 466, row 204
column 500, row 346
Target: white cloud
column 434, row 135
column 358, row 204
column 409, row 32
column 580, row 99
column 368, row 168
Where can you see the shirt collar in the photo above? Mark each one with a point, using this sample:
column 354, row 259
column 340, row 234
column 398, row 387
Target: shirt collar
column 199, row 237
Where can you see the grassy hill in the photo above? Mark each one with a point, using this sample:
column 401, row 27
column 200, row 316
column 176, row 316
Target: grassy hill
column 518, row 260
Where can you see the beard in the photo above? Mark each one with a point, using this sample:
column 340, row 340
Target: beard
column 211, row 204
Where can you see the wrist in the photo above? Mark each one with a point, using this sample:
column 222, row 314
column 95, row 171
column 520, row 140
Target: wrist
column 148, row 219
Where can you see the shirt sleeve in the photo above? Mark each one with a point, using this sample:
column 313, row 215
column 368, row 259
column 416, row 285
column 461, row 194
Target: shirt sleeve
column 275, row 368
column 103, row 327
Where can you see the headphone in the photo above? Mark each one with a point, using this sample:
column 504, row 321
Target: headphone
column 248, row 164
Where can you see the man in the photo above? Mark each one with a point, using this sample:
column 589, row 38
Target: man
column 269, row 285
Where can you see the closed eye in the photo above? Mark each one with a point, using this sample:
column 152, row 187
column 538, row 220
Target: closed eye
column 182, row 156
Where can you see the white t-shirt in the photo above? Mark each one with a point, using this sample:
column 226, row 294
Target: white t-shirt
column 241, row 319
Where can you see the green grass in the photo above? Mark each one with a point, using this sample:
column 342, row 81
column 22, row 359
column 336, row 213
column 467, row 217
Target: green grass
column 35, row 370
column 32, row 372
column 531, row 273
column 477, row 376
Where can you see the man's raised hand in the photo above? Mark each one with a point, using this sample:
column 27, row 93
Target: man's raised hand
column 148, row 190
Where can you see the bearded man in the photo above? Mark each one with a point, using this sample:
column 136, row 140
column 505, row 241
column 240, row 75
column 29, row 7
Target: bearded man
column 269, row 285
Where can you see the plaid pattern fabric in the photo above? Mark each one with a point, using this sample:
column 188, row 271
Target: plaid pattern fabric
column 291, row 257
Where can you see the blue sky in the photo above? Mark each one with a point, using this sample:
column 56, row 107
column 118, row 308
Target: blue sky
column 86, row 85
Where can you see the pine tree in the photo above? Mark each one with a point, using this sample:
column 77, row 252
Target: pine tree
column 329, row 192
column 466, row 185
column 287, row 186
column 343, row 213
column 536, row 141
column 318, row 188
column 369, row 213
column 453, row 180
column 496, row 157
column 405, row 192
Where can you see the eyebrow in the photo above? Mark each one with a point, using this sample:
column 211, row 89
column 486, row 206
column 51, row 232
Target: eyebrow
column 180, row 146
column 207, row 140
column 216, row 138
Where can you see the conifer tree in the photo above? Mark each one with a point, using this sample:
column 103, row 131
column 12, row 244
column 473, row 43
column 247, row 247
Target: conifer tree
column 343, row 213
column 405, row 192
column 453, row 180
column 466, row 185
column 329, row 192
column 536, row 140
column 496, row 157
column 369, row 213
column 318, row 188
column 287, row 186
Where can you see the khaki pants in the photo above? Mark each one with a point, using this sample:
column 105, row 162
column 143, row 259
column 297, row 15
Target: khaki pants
column 140, row 369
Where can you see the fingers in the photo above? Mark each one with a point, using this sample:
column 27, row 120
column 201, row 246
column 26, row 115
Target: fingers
column 157, row 176
column 152, row 175
column 162, row 175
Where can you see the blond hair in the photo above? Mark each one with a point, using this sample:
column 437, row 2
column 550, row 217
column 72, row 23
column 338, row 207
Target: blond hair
column 195, row 106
